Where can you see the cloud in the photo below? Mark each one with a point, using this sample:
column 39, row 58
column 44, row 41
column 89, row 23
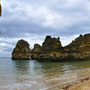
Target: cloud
column 32, row 20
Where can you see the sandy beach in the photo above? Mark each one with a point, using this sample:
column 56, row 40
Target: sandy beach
column 83, row 84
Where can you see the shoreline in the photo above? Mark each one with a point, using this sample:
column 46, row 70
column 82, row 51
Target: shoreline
column 81, row 84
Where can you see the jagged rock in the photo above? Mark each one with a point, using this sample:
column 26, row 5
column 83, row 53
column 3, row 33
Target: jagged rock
column 21, row 51
column 49, row 49
column 79, row 49
column 0, row 9
column 51, row 44
column 52, row 50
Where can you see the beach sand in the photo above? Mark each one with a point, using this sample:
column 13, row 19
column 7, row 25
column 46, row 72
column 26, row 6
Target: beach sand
column 83, row 84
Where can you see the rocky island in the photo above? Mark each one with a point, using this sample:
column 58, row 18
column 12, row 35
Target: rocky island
column 21, row 51
column 52, row 50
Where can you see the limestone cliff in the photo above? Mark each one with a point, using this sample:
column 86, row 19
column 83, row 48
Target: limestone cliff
column 80, row 46
column 51, row 44
column 21, row 51
column 52, row 50
column 79, row 49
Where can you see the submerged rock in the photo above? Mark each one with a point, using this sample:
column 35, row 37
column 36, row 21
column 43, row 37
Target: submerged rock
column 21, row 51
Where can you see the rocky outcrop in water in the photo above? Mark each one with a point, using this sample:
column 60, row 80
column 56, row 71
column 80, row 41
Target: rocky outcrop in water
column 51, row 44
column 21, row 51
column 79, row 49
column 52, row 50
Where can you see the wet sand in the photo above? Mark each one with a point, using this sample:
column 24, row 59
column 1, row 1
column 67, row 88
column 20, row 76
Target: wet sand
column 83, row 84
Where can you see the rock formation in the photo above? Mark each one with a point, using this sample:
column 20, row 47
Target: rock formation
column 51, row 44
column 21, row 51
column 80, row 47
column 52, row 50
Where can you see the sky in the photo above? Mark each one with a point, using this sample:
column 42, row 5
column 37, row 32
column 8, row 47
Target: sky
column 32, row 20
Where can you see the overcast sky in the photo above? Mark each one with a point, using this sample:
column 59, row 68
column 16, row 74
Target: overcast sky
column 32, row 20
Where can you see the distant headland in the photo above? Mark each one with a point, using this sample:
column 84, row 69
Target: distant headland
column 52, row 50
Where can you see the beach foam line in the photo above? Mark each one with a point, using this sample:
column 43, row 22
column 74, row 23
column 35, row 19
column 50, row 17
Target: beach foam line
column 18, row 85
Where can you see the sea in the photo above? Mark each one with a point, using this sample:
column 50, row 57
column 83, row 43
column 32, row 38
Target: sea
column 34, row 75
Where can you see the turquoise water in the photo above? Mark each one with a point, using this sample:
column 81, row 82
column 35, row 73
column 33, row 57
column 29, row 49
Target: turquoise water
column 34, row 75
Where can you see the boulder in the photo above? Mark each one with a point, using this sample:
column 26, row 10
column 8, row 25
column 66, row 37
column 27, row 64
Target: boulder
column 21, row 51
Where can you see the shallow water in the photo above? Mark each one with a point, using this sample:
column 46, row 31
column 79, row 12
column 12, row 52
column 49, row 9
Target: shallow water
column 34, row 75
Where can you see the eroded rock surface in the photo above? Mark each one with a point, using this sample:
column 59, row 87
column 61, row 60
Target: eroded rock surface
column 21, row 51
column 36, row 51
column 79, row 49
column 51, row 44
column 52, row 50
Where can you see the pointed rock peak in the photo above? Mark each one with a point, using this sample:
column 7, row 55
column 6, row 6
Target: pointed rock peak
column 48, row 37
column 51, row 44
column 22, row 43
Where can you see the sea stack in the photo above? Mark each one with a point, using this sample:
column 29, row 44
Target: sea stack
column 51, row 49
column 21, row 51
column 51, row 44
column 0, row 9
